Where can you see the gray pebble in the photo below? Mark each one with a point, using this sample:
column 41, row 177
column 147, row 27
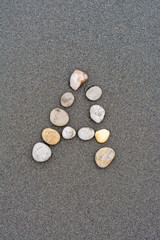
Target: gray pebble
column 67, row 99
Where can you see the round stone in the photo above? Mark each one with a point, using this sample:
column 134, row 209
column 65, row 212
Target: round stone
column 50, row 136
column 67, row 99
column 59, row 117
column 102, row 135
column 41, row 152
column 97, row 113
column 104, row 157
column 94, row 93
column 86, row 133
column 68, row 133
column 77, row 78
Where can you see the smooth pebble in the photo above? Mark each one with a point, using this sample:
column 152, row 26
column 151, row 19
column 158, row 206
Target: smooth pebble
column 104, row 157
column 41, row 152
column 97, row 113
column 68, row 133
column 77, row 78
column 50, row 136
column 67, row 99
column 94, row 93
column 86, row 133
column 59, row 117
column 102, row 135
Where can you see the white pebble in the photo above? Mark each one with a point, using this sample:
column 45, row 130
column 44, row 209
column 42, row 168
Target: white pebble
column 97, row 113
column 68, row 133
column 94, row 93
column 67, row 99
column 59, row 117
column 77, row 78
column 86, row 133
column 41, row 152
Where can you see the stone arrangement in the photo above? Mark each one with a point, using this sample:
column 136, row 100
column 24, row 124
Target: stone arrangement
column 59, row 117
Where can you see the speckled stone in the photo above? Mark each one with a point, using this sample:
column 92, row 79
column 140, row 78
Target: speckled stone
column 77, row 78
column 59, row 117
column 68, row 133
column 41, row 152
column 102, row 135
column 97, row 113
column 67, row 99
column 94, row 93
column 86, row 133
column 50, row 136
column 104, row 157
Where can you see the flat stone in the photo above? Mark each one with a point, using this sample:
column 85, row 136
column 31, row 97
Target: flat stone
column 94, row 93
column 67, row 99
column 97, row 113
column 102, row 135
column 50, row 136
column 77, row 78
column 86, row 133
column 68, row 133
column 104, row 157
column 41, row 152
column 59, row 117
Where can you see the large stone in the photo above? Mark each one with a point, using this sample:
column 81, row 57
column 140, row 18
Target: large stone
column 59, row 117
column 104, row 157
column 41, row 152
column 77, row 78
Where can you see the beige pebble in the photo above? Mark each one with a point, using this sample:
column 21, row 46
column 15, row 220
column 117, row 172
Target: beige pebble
column 50, row 136
column 77, row 78
column 67, row 99
column 104, row 157
column 59, row 117
column 102, row 135
column 94, row 93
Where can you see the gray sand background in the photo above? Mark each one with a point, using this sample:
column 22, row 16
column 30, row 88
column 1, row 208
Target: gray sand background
column 69, row 197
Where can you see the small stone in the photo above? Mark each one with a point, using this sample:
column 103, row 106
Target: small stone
column 77, row 78
column 67, row 99
column 94, row 93
column 86, row 133
column 68, row 133
column 102, row 135
column 59, row 117
column 50, row 136
column 97, row 113
column 104, row 157
column 41, row 152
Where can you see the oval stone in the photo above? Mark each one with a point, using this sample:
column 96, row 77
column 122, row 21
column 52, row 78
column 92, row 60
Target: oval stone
column 102, row 135
column 50, row 136
column 77, row 78
column 59, row 117
column 94, row 93
column 68, row 133
column 97, row 113
column 86, row 133
column 104, row 157
column 41, row 152
column 67, row 99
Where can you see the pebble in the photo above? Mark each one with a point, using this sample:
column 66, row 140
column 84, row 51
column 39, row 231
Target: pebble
column 67, row 99
column 86, row 133
column 104, row 157
column 97, row 113
column 77, row 78
column 59, row 117
column 94, row 93
column 50, row 136
column 41, row 152
column 102, row 135
column 68, row 133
